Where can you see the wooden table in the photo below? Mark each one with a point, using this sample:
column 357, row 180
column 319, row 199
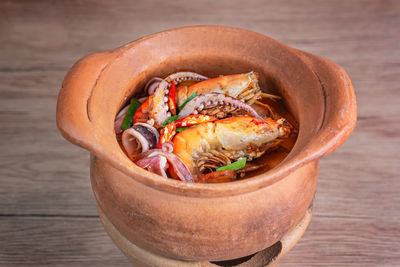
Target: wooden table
column 47, row 209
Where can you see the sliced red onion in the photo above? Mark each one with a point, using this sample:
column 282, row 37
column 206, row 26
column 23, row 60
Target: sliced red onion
column 119, row 119
column 177, row 164
column 122, row 112
column 142, row 99
column 152, row 85
column 155, row 164
column 117, row 125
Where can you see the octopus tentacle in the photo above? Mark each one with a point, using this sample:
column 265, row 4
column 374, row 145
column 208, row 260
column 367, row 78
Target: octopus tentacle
column 159, row 106
column 209, row 100
column 185, row 76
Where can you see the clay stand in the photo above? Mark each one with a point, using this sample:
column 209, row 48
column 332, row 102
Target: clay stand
column 267, row 257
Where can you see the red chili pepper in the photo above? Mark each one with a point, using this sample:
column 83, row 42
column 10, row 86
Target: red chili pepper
column 171, row 99
column 167, row 133
column 257, row 122
column 194, row 120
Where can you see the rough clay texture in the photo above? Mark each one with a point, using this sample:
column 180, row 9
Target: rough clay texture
column 268, row 257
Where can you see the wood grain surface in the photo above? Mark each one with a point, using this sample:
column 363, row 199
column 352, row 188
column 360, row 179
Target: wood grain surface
column 47, row 209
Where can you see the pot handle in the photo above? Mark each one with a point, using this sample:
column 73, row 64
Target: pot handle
column 73, row 119
column 340, row 108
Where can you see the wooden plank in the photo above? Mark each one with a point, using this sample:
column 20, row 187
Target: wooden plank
column 346, row 241
column 74, row 241
column 52, row 36
column 41, row 173
column 57, row 241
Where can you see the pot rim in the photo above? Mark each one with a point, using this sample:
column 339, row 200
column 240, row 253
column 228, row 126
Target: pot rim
column 331, row 134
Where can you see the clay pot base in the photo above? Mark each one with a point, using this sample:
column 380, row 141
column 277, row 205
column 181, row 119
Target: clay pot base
column 268, row 257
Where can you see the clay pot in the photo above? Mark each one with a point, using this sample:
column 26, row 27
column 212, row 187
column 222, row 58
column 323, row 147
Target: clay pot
column 205, row 221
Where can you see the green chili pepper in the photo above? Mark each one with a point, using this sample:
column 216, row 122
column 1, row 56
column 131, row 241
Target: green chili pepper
column 135, row 104
column 237, row 165
column 187, row 100
column 170, row 119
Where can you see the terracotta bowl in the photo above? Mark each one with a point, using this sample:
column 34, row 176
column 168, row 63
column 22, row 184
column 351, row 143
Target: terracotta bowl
column 205, row 221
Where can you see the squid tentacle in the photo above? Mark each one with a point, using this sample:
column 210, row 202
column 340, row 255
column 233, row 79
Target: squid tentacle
column 185, row 76
column 209, row 100
column 160, row 108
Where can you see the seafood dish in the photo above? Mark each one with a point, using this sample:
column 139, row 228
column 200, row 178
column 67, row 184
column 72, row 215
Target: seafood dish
column 193, row 128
